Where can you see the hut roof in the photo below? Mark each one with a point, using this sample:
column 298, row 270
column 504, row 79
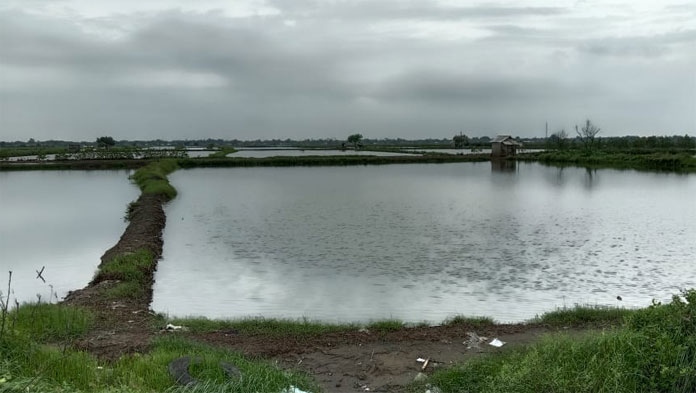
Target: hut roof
column 506, row 140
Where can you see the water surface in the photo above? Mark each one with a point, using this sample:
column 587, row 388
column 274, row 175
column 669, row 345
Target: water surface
column 422, row 242
column 63, row 220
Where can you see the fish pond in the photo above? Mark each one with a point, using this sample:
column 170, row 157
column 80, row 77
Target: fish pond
column 422, row 242
column 62, row 221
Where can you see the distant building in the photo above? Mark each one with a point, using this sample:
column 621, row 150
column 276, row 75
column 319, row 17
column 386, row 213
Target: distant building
column 504, row 146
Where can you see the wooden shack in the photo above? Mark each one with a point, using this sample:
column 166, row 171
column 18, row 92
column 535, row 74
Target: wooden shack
column 504, row 146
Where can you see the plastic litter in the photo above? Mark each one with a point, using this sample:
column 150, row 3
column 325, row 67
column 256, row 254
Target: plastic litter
column 174, row 327
column 293, row 389
column 474, row 340
column 420, row 360
column 496, row 343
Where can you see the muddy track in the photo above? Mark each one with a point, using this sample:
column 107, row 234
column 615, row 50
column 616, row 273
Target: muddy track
column 124, row 325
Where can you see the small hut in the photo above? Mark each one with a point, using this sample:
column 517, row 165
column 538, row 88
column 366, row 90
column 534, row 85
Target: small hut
column 504, row 146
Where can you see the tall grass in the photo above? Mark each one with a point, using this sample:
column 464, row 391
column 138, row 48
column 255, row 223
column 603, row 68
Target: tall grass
column 654, row 351
column 584, row 315
column 32, row 368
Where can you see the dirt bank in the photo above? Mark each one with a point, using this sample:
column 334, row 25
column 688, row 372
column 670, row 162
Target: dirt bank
column 360, row 361
column 124, row 325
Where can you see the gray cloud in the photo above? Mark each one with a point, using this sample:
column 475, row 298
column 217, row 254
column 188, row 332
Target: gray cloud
column 318, row 70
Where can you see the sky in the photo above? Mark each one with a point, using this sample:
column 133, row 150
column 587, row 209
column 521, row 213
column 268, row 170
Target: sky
column 263, row 69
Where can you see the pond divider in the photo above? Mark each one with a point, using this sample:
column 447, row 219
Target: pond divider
column 121, row 291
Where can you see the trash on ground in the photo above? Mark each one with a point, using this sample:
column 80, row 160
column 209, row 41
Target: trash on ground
column 496, row 343
column 474, row 340
column 420, row 377
column 294, row 389
column 420, row 360
column 175, row 327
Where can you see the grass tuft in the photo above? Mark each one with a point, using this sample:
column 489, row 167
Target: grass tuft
column 132, row 270
column 263, row 326
column 470, row 321
column 152, row 178
column 583, row 315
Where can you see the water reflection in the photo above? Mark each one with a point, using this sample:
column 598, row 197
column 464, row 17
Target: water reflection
column 502, row 165
column 63, row 220
column 422, row 242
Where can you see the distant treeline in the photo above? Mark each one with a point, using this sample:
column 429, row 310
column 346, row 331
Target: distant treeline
column 553, row 142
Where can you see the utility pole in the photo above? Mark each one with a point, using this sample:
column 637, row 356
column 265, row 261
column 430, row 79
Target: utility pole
column 547, row 130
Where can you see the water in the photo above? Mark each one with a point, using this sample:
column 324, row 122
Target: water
column 63, row 220
column 260, row 153
column 422, row 242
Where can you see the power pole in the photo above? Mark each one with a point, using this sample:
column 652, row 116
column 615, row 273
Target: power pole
column 547, row 130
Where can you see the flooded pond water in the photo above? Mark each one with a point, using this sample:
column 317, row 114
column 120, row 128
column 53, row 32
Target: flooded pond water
column 422, row 242
column 260, row 153
column 63, row 220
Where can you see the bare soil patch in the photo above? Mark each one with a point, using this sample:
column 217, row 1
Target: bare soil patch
column 373, row 361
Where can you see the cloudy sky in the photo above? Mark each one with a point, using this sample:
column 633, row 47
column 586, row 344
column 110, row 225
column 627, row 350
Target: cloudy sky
column 247, row 69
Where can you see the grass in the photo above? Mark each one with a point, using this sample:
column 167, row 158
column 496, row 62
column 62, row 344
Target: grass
column 263, row 326
column 132, row 270
column 584, row 315
column 653, row 351
column 33, row 368
column 152, row 178
column 45, row 322
column 471, row 321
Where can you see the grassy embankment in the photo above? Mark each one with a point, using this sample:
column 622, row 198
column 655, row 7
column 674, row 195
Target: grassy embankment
column 35, row 356
column 281, row 161
column 30, row 151
column 642, row 160
column 654, row 350
column 223, row 152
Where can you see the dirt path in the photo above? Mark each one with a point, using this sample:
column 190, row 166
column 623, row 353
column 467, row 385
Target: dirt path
column 124, row 325
column 374, row 361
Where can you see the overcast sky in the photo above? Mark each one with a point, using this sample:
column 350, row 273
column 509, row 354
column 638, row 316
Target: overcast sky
column 247, row 69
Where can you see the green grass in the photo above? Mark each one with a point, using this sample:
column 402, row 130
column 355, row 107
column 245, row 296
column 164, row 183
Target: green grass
column 654, row 351
column 262, row 326
column 133, row 270
column 43, row 322
column 584, row 315
column 470, row 321
column 152, row 178
column 384, row 326
column 33, row 368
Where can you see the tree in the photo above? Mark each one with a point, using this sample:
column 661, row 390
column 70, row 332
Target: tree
column 460, row 141
column 355, row 140
column 105, row 141
column 587, row 134
column 558, row 139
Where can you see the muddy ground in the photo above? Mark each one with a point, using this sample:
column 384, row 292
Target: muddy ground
column 363, row 361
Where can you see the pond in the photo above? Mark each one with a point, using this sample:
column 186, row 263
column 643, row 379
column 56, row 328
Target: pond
column 260, row 153
column 63, row 220
column 422, row 242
